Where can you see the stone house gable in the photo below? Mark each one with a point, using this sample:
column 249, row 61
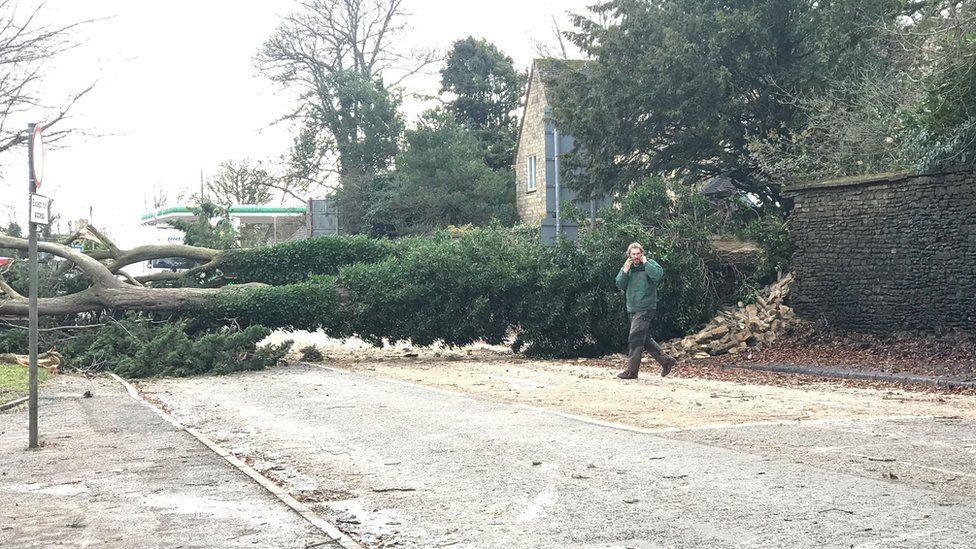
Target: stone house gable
column 530, row 192
column 535, row 158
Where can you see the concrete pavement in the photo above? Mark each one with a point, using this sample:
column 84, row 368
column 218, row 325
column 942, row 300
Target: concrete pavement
column 113, row 474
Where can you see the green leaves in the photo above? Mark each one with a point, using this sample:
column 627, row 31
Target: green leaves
column 456, row 287
column 941, row 129
column 294, row 262
column 210, row 228
column 487, row 284
column 680, row 86
column 306, row 306
column 441, row 180
column 140, row 347
column 487, row 91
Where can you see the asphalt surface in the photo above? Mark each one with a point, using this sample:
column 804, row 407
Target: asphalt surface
column 397, row 465
column 113, row 474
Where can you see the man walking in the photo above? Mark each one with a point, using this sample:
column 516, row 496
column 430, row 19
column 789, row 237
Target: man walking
column 638, row 278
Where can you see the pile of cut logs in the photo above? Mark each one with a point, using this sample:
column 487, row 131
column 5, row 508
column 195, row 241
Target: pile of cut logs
column 742, row 328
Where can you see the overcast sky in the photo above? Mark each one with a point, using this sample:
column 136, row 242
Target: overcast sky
column 177, row 92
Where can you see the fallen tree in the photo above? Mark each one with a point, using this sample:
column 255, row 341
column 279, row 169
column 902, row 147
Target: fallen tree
column 454, row 287
column 111, row 290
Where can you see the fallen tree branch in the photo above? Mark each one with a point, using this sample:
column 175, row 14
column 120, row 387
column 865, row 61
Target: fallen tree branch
column 162, row 277
column 126, row 297
column 11, row 293
column 73, row 236
column 55, row 329
column 106, row 241
column 90, row 266
column 131, row 280
column 161, row 251
column 122, row 258
column 110, row 293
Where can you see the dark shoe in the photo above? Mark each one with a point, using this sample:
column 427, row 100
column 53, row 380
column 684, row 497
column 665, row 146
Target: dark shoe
column 668, row 364
column 627, row 374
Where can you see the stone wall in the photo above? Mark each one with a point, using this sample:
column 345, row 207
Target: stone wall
column 886, row 253
column 532, row 142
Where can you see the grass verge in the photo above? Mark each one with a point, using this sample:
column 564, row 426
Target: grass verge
column 13, row 381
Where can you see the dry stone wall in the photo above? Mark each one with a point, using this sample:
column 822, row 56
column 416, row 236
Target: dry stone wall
column 886, row 253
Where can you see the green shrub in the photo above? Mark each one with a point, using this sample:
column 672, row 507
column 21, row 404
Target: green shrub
column 293, row 262
column 13, row 340
column 490, row 283
column 455, row 287
column 307, row 306
column 776, row 249
column 142, row 348
column 311, row 353
column 441, row 289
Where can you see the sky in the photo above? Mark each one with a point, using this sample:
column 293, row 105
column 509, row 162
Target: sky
column 177, row 93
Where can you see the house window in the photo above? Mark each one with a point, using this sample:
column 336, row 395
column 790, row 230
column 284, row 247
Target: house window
column 530, row 173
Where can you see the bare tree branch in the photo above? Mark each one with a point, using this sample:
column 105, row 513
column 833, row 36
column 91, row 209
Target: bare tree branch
column 240, row 182
column 160, row 251
column 56, row 328
column 96, row 271
column 108, row 292
column 126, row 297
column 129, row 278
column 11, row 293
column 162, row 277
column 107, row 242
column 317, row 51
column 27, row 46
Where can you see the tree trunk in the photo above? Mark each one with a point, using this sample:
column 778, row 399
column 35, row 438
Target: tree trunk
column 108, row 291
column 125, row 297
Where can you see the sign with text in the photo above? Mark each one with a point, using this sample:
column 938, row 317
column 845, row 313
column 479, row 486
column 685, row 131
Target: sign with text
column 40, row 208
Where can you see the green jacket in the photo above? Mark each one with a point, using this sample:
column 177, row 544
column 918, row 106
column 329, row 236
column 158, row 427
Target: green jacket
column 641, row 285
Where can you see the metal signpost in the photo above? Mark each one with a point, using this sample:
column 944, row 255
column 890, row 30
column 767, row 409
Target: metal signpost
column 38, row 216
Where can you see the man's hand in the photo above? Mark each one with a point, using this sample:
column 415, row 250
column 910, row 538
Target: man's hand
column 643, row 259
column 627, row 265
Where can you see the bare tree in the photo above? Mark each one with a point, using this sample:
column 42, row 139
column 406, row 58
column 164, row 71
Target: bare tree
column 325, row 38
column 26, row 47
column 341, row 56
column 157, row 197
column 241, row 182
column 556, row 48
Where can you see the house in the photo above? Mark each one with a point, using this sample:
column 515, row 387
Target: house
column 539, row 191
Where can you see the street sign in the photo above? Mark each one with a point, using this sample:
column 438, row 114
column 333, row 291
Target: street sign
column 36, row 147
column 40, row 209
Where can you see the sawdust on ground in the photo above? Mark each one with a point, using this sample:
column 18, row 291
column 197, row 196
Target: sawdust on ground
column 587, row 387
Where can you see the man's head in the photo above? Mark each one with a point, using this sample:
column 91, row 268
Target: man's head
column 635, row 252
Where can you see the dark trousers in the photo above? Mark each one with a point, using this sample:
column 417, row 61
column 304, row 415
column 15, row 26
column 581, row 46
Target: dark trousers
column 640, row 339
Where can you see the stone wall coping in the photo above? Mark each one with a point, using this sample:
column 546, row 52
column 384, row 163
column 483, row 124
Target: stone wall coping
column 851, row 181
column 868, row 179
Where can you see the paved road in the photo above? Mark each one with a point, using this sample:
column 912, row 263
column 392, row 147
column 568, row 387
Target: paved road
column 113, row 474
column 404, row 466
